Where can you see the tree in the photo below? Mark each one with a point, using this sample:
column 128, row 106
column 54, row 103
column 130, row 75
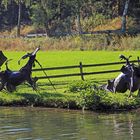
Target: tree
column 38, row 16
column 58, row 15
column 78, row 7
column 123, row 29
column 19, row 18
column 19, row 3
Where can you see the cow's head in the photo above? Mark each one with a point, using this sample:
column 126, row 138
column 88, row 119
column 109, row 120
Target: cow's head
column 110, row 85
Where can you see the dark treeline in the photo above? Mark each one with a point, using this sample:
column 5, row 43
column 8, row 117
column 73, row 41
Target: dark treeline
column 60, row 15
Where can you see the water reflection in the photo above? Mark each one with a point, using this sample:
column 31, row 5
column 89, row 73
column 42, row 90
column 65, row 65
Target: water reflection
column 53, row 124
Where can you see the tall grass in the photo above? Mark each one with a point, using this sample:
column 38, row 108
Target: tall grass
column 131, row 43
column 84, row 42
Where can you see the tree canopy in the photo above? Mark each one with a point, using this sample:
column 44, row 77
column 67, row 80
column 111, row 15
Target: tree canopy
column 59, row 15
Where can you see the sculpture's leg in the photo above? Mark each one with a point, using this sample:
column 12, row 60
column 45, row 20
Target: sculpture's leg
column 131, row 82
column 32, row 83
column 6, row 64
column 130, row 95
column 10, row 88
column 1, row 86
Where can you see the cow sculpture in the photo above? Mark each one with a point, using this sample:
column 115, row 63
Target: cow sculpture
column 128, row 79
column 9, row 79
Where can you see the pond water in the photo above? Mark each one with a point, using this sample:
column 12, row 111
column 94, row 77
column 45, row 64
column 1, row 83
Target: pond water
column 54, row 124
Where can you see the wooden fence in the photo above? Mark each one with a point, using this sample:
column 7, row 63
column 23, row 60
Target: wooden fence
column 81, row 72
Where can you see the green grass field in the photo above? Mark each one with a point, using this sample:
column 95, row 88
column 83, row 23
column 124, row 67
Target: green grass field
column 68, row 58
column 46, row 96
column 62, row 58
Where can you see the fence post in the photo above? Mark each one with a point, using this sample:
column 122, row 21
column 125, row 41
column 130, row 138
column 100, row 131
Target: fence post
column 81, row 71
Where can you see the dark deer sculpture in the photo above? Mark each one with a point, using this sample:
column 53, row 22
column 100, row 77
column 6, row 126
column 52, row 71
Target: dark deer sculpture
column 11, row 79
column 128, row 79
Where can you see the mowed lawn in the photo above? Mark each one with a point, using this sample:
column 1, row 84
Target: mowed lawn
column 69, row 58
column 46, row 95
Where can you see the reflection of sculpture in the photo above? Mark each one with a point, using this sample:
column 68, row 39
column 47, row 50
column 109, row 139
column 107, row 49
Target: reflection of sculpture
column 128, row 79
column 120, row 122
column 10, row 79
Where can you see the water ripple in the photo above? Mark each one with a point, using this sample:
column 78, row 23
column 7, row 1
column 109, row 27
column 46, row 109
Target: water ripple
column 34, row 124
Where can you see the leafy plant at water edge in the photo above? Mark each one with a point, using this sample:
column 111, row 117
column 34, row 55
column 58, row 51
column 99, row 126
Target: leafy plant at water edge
column 78, row 86
column 92, row 97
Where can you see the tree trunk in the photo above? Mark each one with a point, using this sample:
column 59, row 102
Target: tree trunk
column 118, row 8
column 48, row 34
column 12, row 15
column 19, row 18
column 79, row 28
column 123, row 29
column 78, row 20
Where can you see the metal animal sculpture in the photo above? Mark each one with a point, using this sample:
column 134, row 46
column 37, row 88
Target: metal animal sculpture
column 128, row 79
column 11, row 79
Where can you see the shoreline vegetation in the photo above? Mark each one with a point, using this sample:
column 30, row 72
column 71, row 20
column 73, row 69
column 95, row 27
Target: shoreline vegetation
column 79, row 95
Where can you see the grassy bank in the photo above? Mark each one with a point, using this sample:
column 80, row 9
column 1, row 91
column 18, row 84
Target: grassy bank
column 42, row 98
column 79, row 95
column 71, row 93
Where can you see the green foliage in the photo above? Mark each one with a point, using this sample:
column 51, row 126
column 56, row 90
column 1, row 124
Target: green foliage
column 92, row 97
column 87, row 96
column 89, row 23
column 38, row 16
column 77, row 86
column 59, row 17
column 25, row 96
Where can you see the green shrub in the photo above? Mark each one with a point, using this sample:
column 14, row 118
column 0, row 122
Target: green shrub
column 88, row 24
column 78, row 86
column 97, row 99
column 38, row 16
column 93, row 98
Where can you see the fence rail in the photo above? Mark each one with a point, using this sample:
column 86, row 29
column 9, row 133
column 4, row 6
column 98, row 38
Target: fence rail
column 81, row 71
